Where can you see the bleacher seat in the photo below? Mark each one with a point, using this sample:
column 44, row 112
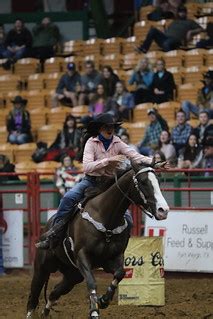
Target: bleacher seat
column 112, row 46
column 48, row 169
column 48, row 133
column 9, row 82
column 38, row 117
column 24, row 152
column 57, row 115
column 25, row 67
column 35, row 81
column 3, row 134
column 53, row 65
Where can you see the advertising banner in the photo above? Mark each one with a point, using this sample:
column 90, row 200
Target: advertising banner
column 12, row 240
column 188, row 240
column 144, row 282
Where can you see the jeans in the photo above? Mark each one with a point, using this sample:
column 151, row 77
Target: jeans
column 188, row 107
column 73, row 196
column 162, row 40
column 18, row 139
column 146, row 150
column 16, row 55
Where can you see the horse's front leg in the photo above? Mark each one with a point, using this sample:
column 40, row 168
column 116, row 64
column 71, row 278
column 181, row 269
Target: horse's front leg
column 84, row 266
column 115, row 267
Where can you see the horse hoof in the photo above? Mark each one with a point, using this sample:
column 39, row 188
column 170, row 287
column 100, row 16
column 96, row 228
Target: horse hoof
column 94, row 315
column 45, row 313
column 30, row 314
column 103, row 304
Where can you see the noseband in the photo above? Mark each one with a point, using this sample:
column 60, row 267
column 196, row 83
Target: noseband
column 136, row 184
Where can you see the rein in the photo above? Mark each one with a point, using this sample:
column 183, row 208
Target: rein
column 143, row 170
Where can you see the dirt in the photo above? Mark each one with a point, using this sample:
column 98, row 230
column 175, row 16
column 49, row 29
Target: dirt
column 187, row 296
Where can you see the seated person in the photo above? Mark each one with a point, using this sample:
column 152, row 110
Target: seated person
column 151, row 137
column 18, row 41
column 67, row 141
column 3, row 51
column 109, row 80
column 165, row 9
column 46, row 38
column 98, row 102
column 181, row 132
column 204, row 98
column 6, row 167
column 179, row 32
column 69, row 88
column 189, row 155
column 207, row 43
column 90, row 80
column 204, row 128
column 67, row 175
column 122, row 103
column 165, row 146
column 18, row 123
column 163, row 84
column 143, row 78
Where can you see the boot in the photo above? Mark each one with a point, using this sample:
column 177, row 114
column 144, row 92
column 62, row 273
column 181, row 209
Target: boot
column 51, row 238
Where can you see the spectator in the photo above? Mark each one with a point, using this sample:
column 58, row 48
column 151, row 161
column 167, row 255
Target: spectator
column 166, row 147
column 159, row 156
column 190, row 154
column 90, row 80
column 178, row 33
column 67, row 175
column 126, row 139
column 18, row 123
column 67, row 141
column 163, row 84
column 6, row 167
column 18, row 41
column 122, row 103
column 165, row 9
column 207, row 43
column 98, row 102
column 143, row 78
column 69, row 88
column 46, row 38
column 180, row 132
column 204, row 128
column 152, row 134
column 204, row 98
column 205, row 159
column 109, row 80
column 3, row 52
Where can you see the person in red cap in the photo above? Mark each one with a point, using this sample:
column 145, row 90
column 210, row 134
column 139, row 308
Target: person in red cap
column 69, row 88
column 103, row 153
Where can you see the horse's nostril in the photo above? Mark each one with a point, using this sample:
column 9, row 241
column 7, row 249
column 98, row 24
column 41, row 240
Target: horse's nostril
column 161, row 210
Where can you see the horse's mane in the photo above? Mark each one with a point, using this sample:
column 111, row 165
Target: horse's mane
column 102, row 186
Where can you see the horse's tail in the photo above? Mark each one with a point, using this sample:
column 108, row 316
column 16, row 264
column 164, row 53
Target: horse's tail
column 45, row 289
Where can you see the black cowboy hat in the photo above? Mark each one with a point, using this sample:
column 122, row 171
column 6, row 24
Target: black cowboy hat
column 19, row 100
column 101, row 120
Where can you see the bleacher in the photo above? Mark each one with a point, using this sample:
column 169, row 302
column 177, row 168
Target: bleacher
column 27, row 79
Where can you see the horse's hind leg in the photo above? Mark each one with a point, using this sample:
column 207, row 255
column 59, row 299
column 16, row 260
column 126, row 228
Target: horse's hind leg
column 119, row 274
column 71, row 277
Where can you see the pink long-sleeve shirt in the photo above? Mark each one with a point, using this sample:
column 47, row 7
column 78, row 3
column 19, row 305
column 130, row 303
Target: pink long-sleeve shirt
column 96, row 158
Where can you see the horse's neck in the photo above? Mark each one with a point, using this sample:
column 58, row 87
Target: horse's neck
column 112, row 204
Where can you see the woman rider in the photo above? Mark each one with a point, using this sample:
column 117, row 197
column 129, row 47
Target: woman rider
column 103, row 153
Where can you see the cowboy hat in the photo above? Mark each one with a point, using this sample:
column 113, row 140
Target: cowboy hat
column 101, row 120
column 19, row 100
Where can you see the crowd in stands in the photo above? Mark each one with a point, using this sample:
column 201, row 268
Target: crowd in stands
column 104, row 90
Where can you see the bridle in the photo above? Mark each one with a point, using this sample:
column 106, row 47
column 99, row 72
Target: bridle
column 136, row 184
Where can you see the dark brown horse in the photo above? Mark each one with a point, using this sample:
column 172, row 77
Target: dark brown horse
column 98, row 237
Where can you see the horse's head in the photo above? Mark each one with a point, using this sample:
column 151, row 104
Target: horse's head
column 149, row 193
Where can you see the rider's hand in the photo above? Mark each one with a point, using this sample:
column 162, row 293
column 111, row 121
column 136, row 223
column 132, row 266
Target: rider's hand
column 117, row 159
column 162, row 165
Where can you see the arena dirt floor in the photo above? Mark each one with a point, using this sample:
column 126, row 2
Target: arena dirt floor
column 187, row 296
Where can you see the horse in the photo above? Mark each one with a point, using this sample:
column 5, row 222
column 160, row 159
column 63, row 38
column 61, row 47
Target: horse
column 98, row 236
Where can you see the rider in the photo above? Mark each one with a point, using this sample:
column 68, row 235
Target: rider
column 103, row 153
